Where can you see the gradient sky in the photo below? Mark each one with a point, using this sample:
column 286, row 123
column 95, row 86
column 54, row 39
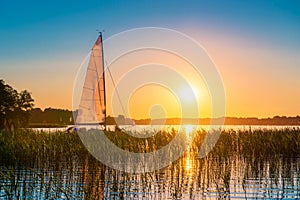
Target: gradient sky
column 255, row 45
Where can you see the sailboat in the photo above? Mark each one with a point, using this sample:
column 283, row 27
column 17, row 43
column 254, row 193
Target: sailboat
column 92, row 106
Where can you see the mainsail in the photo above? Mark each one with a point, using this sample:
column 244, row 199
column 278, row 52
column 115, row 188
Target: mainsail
column 92, row 107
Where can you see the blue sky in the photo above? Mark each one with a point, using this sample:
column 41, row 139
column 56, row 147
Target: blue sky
column 42, row 43
column 61, row 25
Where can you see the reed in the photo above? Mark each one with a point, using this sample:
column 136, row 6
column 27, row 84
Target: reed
column 50, row 157
column 259, row 143
column 34, row 148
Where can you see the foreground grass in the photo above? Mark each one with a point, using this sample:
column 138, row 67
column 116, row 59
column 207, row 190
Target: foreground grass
column 29, row 147
column 259, row 143
column 49, row 155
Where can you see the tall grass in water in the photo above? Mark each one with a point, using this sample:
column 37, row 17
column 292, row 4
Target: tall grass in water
column 53, row 157
column 27, row 147
column 37, row 164
column 35, row 148
column 258, row 143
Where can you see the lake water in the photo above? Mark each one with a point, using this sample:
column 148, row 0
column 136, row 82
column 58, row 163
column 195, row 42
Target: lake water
column 187, row 178
column 143, row 128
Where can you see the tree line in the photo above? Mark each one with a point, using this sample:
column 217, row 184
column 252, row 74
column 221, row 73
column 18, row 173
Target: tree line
column 50, row 117
column 17, row 111
column 14, row 107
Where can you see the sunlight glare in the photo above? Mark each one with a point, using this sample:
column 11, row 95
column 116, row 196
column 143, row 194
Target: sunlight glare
column 187, row 94
column 189, row 131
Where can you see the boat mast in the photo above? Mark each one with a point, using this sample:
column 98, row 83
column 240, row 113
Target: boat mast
column 103, row 74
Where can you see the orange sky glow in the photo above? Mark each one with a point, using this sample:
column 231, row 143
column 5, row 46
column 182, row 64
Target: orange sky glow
column 257, row 56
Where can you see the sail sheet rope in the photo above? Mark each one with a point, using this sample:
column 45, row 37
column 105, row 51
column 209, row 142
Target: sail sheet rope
column 117, row 92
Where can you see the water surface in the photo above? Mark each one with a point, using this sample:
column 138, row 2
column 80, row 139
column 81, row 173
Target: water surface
column 187, row 178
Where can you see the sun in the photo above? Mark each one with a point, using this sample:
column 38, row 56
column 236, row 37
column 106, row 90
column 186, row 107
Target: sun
column 189, row 101
column 189, row 93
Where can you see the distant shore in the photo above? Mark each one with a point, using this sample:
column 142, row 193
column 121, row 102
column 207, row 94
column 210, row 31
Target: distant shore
column 275, row 121
column 46, row 125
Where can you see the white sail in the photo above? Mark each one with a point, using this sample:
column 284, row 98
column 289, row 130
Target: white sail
column 92, row 108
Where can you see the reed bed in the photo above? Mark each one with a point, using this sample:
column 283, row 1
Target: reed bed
column 28, row 147
column 51, row 157
column 33, row 148
column 257, row 144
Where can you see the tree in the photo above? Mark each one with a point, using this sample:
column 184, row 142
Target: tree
column 14, row 107
column 51, row 116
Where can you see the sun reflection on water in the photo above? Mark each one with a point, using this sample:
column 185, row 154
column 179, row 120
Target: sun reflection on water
column 188, row 164
column 189, row 132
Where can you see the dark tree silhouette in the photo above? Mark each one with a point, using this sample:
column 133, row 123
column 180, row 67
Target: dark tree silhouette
column 50, row 117
column 14, row 107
